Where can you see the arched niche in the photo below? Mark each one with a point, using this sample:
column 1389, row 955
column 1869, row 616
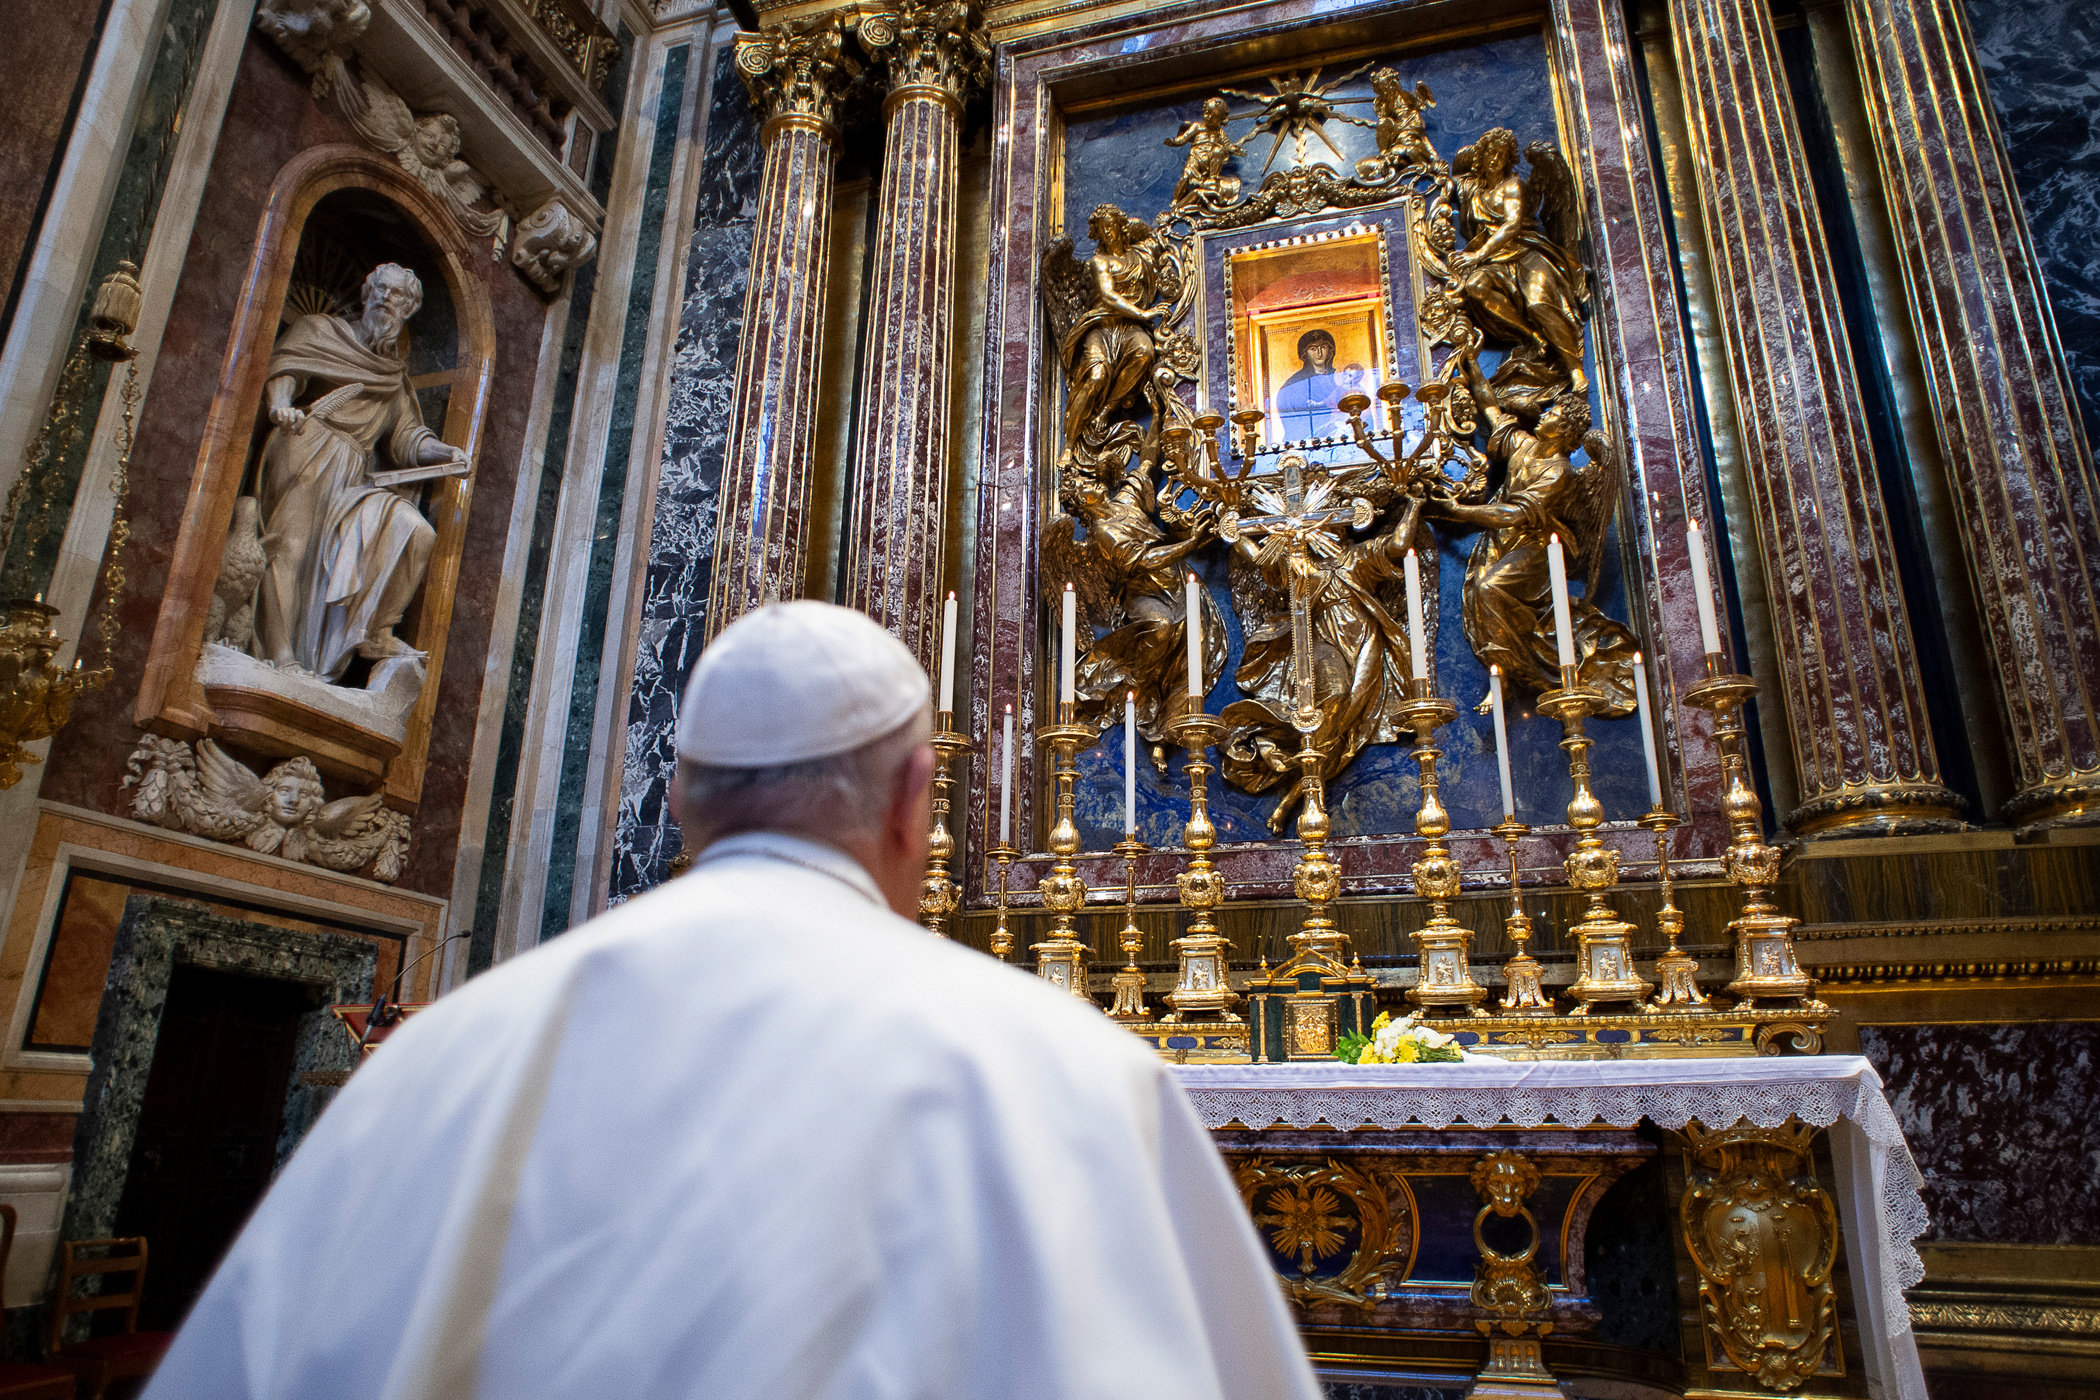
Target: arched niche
column 330, row 209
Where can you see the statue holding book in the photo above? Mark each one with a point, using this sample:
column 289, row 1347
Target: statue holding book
column 344, row 544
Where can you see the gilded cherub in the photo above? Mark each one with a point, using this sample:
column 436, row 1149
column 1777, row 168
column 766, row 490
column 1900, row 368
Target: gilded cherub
column 1203, row 179
column 1403, row 138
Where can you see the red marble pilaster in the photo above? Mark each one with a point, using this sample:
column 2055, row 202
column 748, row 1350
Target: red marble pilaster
column 1855, row 700
column 796, row 74
column 2021, row 469
column 895, row 547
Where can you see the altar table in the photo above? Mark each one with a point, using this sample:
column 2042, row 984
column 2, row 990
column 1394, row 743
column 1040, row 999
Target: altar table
column 1876, row 1195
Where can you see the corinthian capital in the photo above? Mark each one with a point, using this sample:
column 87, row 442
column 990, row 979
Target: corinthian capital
column 797, row 71
column 939, row 45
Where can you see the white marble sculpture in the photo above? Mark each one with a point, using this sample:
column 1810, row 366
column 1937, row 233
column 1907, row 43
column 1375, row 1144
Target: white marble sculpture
column 427, row 147
column 285, row 812
column 345, row 548
column 550, row 242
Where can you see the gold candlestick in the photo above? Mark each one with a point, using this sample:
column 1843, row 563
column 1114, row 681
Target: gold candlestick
column 1200, row 985
column 1129, row 984
column 1443, row 943
column 1676, row 970
column 1603, row 941
column 938, row 896
column 1002, row 936
column 1060, row 959
column 1316, row 879
column 1765, row 965
column 1526, row 995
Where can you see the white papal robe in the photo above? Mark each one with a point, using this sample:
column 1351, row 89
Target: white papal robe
column 750, row 1137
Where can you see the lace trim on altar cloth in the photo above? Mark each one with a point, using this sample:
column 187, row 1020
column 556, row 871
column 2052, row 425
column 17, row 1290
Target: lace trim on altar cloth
column 1765, row 1102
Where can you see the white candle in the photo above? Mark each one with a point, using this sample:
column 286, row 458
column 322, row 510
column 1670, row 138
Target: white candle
column 1640, row 690
column 1509, row 792
column 1563, row 630
column 1703, row 588
column 948, row 658
column 1195, row 631
column 1064, row 683
column 1130, row 763
column 1006, row 783
column 1419, row 655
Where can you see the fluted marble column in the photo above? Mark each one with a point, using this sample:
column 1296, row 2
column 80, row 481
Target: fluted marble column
column 2020, row 466
column 1855, row 700
column 797, row 75
column 898, row 512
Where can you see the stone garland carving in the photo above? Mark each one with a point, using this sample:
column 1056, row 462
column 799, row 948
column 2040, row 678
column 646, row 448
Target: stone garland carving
column 285, row 812
column 1498, row 247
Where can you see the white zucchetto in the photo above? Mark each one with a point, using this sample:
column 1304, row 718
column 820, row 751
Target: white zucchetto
column 797, row 681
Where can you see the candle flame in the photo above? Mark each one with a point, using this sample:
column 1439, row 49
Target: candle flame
column 1637, row 658
column 1494, row 670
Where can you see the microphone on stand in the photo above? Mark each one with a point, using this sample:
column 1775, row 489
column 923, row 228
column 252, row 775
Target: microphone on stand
column 386, row 1011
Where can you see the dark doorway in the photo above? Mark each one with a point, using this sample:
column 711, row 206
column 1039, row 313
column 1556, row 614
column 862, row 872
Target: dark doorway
column 207, row 1136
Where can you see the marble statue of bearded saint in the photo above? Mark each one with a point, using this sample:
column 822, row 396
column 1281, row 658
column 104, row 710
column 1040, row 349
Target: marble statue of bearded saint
column 1129, row 574
column 1517, row 279
column 345, row 552
column 1360, row 657
column 1508, row 599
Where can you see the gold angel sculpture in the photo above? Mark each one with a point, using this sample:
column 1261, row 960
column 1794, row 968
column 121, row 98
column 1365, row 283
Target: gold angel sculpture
column 1517, row 273
column 1211, row 147
column 1119, row 371
column 1508, row 599
column 1124, row 551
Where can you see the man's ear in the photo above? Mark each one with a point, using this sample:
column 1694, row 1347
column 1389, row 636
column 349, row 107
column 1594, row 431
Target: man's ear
column 914, row 776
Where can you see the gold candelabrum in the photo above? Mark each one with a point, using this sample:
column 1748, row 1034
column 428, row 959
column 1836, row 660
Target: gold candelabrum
column 1765, row 965
column 1677, row 970
column 1002, row 935
column 1526, row 995
column 1443, row 944
column 1317, row 879
column 1200, row 991
column 1129, row 984
column 1060, row 959
column 1603, row 941
column 36, row 695
column 938, row 896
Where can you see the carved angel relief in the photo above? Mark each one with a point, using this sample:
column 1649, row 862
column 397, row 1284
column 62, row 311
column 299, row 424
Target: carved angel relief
column 284, row 812
column 1504, row 445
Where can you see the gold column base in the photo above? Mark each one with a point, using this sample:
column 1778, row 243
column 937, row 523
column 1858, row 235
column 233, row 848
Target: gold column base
column 1516, row 1370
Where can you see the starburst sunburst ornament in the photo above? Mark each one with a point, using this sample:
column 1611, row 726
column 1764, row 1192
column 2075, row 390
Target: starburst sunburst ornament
column 1299, row 105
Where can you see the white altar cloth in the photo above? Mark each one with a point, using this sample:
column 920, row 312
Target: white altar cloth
column 1876, row 1195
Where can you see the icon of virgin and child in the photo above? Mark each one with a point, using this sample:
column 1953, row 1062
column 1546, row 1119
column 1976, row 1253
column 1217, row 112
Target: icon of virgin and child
column 1305, row 404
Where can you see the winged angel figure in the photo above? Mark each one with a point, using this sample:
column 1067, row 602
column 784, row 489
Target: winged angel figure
column 428, row 149
column 285, row 812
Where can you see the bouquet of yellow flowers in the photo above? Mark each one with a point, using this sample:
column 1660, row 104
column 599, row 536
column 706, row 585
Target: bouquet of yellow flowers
column 1402, row 1042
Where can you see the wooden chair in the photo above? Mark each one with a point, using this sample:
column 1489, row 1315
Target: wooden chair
column 21, row 1382
column 99, row 1360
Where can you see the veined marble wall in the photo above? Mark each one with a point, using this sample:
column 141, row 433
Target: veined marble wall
column 2038, row 58
column 682, row 546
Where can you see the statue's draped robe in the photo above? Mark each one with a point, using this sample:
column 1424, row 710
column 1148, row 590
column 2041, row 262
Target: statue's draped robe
column 1508, row 607
column 334, row 538
column 750, row 1135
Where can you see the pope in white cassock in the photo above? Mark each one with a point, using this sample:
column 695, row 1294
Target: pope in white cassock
column 755, row 1134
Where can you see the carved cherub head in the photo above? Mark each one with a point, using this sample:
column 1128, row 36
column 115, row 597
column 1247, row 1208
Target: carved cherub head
column 436, row 140
column 1565, row 420
column 1215, row 112
column 292, row 792
column 1503, row 1180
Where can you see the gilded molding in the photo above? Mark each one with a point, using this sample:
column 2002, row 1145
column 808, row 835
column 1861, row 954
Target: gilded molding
column 939, row 46
column 800, row 70
column 2019, row 1318
column 1839, row 973
column 1927, row 928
